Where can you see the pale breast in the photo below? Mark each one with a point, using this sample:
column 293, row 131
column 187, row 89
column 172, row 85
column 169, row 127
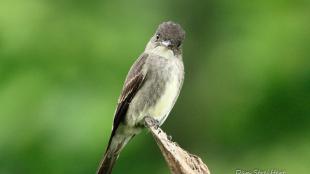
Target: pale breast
column 164, row 104
column 160, row 90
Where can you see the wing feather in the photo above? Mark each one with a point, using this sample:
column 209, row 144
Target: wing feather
column 133, row 82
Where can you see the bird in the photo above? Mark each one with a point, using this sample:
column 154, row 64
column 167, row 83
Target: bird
column 151, row 89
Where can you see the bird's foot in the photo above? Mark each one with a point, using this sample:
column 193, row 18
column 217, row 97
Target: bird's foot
column 151, row 122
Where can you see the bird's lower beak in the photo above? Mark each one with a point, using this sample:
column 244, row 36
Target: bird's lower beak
column 166, row 43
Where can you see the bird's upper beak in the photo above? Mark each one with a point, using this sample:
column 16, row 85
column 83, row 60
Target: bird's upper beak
column 166, row 43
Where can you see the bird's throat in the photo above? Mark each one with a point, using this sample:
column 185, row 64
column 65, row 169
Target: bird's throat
column 163, row 52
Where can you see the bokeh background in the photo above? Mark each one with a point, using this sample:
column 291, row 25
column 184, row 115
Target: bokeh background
column 245, row 103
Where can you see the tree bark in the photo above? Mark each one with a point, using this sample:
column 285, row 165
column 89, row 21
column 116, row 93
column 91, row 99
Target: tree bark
column 178, row 159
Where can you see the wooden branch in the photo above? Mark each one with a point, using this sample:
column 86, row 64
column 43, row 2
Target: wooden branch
column 178, row 160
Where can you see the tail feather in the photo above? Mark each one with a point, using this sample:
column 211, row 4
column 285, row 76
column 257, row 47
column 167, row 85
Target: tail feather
column 107, row 164
column 116, row 144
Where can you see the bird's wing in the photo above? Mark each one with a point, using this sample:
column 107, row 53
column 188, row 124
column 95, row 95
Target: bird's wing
column 133, row 82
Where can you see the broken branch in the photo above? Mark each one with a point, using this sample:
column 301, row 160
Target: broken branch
column 178, row 159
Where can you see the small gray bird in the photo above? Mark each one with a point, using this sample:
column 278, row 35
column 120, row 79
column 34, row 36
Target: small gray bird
column 151, row 89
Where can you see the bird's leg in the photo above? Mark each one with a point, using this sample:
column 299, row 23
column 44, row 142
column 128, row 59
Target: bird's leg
column 151, row 122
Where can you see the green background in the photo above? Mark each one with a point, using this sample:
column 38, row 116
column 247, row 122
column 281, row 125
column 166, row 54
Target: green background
column 245, row 102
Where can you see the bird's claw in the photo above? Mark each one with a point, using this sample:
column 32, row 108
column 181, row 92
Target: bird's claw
column 151, row 122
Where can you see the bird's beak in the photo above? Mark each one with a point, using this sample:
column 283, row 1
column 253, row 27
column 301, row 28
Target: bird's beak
column 166, row 43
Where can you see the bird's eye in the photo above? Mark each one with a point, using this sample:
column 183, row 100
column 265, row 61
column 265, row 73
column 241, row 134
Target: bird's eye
column 157, row 36
column 179, row 44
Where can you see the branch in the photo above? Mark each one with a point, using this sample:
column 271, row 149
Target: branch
column 179, row 160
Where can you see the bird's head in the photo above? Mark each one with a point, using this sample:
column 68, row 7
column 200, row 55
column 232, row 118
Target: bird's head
column 170, row 35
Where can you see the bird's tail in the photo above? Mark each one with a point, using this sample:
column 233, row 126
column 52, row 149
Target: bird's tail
column 107, row 164
column 116, row 144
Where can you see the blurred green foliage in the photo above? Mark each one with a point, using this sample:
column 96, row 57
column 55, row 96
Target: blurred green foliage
column 245, row 103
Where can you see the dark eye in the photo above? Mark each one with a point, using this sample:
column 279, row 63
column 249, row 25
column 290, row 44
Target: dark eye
column 178, row 44
column 157, row 36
